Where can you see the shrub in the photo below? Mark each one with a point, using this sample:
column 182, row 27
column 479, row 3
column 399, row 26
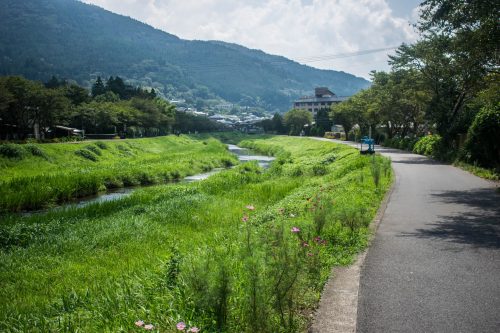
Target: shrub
column 89, row 155
column 483, row 142
column 427, row 145
column 401, row 143
column 11, row 150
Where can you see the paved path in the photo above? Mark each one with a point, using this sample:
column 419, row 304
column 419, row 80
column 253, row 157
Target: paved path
column 434, row 264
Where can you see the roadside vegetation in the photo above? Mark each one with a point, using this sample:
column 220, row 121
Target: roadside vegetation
column 34, row 176
column 445, row 84
column 247, row 250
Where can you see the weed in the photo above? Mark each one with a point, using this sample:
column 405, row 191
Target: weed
column 101, row 145
column 95, row 149
column 87, row 154
column 11, row 150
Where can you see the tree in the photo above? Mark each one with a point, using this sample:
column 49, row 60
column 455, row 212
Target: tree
column 98, row 87
column 76, row 94
column 54, row 83
column 323, row 122
column 483, row 141
column 278, row 123
column 295, row 120
column 349, row 112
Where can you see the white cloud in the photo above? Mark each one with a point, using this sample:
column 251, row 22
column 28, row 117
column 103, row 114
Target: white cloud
column 297, row 29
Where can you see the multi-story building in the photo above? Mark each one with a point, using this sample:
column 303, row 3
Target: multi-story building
column 323, row 98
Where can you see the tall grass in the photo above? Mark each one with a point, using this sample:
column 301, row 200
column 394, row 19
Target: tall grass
column 246, row 250
column 59, row 172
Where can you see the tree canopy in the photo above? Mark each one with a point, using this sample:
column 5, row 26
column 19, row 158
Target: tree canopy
column 32, row 109
column 438, row 84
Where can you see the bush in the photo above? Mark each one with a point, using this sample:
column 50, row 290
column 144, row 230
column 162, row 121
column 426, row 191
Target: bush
column 89, row 155
column 401, row 143
column 11, row 150
column 483, row 142
column 428, row 145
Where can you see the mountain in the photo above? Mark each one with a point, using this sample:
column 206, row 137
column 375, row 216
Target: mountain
column 73, row 40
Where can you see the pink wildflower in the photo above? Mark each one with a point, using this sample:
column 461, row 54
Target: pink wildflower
column 194, row 329
column 250, row 207
column 139, row 323
column 309, row 254
column 317, row 239
column 305, row 244
column 295, row 230
column 244, row 218
column 323, row 242
column 181, row 326
column 149, row 327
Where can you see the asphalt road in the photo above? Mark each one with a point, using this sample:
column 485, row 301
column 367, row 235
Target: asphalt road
column 434, row 264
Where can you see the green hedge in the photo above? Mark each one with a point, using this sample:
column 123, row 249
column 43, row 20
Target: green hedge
column 427, row 145
column 483, row 142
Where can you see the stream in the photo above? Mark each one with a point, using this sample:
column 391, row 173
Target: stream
column 243, row 154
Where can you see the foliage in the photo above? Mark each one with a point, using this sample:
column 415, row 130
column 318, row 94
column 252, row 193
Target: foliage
column 35, row 150
column 98, row 42
column 401, row 143
column 246, row 250
column 322, row 124
column 274, row 125
column 11, row 150
column 30, row 107
column 296, row 119
column 438, row 84
column 87, row 153
column 71, row 170
column 483, row 141
column 27, row 103
column 428, row 145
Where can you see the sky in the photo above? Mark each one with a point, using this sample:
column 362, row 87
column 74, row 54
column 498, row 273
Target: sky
column 319, row 33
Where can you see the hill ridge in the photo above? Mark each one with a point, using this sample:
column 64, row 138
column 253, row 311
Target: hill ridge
column 75, row 40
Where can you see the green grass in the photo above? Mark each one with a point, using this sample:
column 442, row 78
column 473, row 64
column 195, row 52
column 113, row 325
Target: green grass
column 183, row 252
column 489, row 174
column 53, row 173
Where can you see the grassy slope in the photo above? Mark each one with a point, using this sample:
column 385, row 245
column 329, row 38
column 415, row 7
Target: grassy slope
column 182, row 252
column 60, row 174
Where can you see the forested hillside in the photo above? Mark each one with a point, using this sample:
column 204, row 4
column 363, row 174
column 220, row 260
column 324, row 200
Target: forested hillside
column 70, row 39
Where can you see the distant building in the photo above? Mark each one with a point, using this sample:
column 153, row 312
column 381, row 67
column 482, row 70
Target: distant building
column 323, row 98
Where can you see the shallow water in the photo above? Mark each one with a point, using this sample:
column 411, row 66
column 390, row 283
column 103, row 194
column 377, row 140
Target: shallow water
column 243, row 154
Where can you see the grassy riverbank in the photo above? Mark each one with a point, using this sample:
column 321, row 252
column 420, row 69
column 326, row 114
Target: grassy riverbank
column 246, row 250
column 37, row 175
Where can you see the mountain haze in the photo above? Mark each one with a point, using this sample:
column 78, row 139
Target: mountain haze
column 73, row 40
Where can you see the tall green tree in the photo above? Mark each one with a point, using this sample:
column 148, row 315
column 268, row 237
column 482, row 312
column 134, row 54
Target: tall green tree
column 323, row 122
column 279, row 123
column 98, row 87
column 296, row 119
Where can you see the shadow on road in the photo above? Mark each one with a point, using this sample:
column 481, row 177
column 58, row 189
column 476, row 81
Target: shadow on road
column 477, row 225
column 418, row 160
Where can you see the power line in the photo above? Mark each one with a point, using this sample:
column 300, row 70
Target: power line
column 214, row 66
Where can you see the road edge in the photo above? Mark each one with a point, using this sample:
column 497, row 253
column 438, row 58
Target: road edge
column 338, row 306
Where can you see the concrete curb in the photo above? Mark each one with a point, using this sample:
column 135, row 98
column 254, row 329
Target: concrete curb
column 338, row 307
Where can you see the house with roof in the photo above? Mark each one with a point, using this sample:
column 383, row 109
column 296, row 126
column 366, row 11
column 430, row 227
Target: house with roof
column 323, row 98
